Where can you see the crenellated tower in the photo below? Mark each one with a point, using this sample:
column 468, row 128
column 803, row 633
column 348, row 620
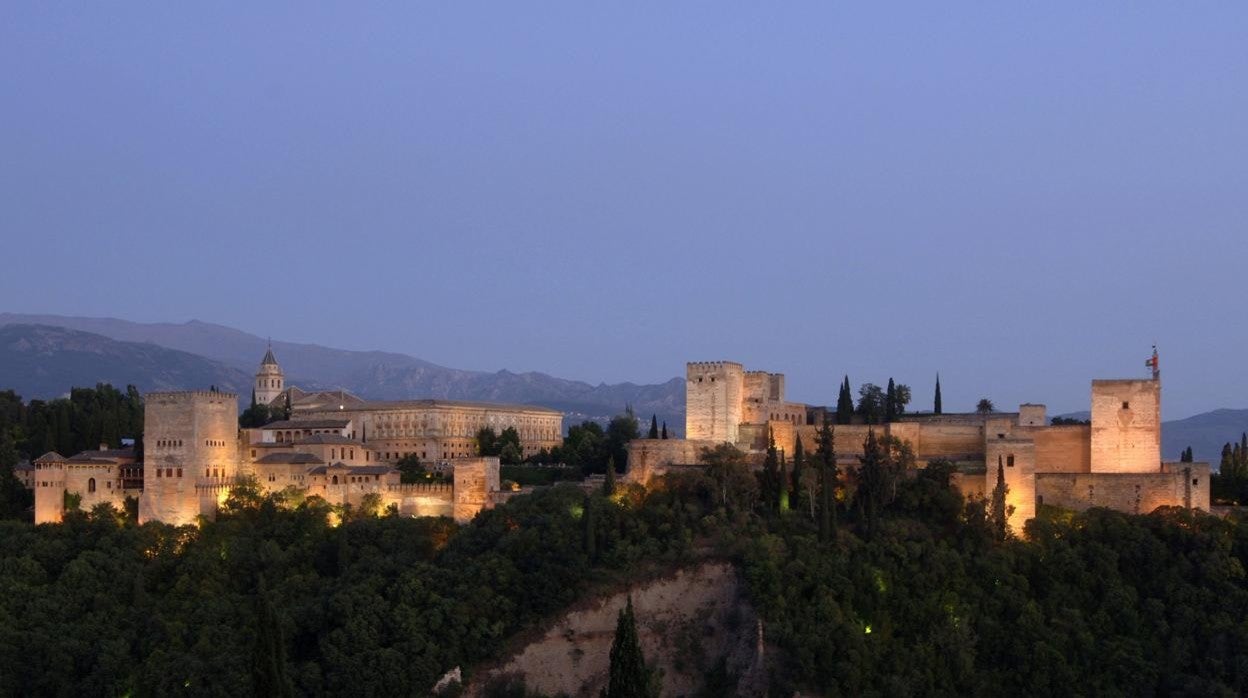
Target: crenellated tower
column 713, row 400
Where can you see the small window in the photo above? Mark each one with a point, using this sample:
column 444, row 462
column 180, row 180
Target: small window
column 1009, row 460
column 91, row 485
column 1126, row 405
column 1196, row 481
column 1000, row 436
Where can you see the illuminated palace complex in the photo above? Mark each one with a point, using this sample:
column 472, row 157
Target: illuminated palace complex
column 335, row 445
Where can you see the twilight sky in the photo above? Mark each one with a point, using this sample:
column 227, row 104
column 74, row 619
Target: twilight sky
column 1020, row 196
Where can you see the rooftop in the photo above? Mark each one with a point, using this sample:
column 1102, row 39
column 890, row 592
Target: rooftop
column 353, row 469
column 307, row 424
column 290, row 459
column 380, row 405
column 323, row 439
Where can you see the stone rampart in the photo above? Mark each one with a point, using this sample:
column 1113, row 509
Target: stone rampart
column 1179, row 484
column 650, row 458
column 1063, row 449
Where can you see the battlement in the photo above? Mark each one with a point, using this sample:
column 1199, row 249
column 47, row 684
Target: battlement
column 190, row 395
column 421, row 488
column 714, row 365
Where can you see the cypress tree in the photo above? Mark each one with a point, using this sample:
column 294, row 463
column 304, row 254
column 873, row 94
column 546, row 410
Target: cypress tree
column 654, row 427
column 890, row 402
column 845, row 404
column 799, row 460
column 253, row 398
column 828, row 477
column 628, row 676
column 771, row 474
column 936, row 406
column 784, row 486
column 664, row 432
column 268, row 659
column 871, row 481
column 608, row 486
column 1000, row 517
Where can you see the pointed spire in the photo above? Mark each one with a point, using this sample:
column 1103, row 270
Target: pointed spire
column 269, row 359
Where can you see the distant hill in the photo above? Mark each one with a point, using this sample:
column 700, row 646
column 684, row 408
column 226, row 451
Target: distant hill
column 383, row 375
column 1205, row 433
column 38, row 361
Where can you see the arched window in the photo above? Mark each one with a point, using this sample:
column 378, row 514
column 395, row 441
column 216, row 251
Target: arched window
column 91, row 485
column 335, row 480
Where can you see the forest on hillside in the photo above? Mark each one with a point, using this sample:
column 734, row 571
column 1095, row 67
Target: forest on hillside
column 916, row 592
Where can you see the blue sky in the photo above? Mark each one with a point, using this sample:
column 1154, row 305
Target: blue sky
column 1020, row 196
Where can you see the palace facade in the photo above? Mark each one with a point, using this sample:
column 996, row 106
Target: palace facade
column 334, row 445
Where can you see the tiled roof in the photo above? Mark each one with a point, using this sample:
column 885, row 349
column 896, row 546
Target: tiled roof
column 268, row 359
column 50, row 457
column 326, row 439
column 435, row 404
column 308, row 424
column 109, row 455
column 290, row 459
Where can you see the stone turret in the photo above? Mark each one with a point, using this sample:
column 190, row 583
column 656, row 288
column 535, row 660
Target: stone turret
column 270, row 382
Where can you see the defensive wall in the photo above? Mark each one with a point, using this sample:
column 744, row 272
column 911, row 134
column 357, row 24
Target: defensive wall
column 1174, row 484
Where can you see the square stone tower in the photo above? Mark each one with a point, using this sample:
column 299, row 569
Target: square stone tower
column 190, row 446
column 1126, row 426
column 713, row 397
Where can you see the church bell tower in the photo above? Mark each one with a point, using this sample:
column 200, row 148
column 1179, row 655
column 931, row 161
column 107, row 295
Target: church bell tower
column 269, row 380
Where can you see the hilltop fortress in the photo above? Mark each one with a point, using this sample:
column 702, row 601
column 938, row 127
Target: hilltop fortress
column 1113, row 462
column 333, row 445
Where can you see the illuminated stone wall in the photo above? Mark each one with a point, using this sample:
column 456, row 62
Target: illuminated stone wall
column 1126, row 426
column 713, row 401
column 191, row 451
column 476, row 480
column 1177, row 484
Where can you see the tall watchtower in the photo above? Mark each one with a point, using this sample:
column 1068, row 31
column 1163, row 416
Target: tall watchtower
column 190, row 443
column 1126, row 424
column 269, row 379
column 713, row 400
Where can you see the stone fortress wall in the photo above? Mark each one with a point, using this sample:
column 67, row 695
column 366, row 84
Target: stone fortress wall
column 1115, row 461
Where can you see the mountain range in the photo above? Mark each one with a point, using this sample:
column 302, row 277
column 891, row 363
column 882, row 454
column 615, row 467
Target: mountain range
column 43, row 356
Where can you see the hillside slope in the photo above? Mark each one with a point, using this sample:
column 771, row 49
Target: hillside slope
column 383, row 375
column 44, row 362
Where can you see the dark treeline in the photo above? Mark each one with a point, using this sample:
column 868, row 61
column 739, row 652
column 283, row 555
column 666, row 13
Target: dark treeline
column 86, row 419
column 880, row 580
column 270, row 595
column 591, row 448
column 1230, row 484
